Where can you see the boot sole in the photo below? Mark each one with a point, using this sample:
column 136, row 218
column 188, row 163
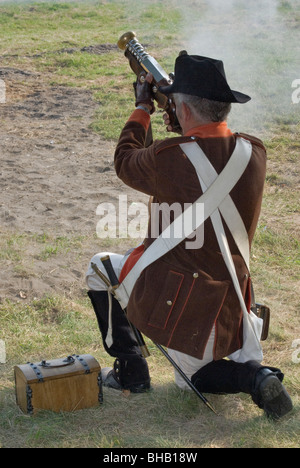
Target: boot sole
column 276, row 401
column 109, row 381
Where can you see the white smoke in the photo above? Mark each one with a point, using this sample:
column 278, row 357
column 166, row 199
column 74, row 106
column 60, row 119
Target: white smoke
column 259, row 44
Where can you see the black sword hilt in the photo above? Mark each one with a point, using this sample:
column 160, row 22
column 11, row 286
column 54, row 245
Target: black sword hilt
column 110, row 271
column 115, row 283
column 100, row 274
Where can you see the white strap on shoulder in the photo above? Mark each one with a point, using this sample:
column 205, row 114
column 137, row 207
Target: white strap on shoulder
column 212, row 198
column 207, row 175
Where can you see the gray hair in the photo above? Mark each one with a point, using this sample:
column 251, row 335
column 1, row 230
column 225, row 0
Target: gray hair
column 214, row 111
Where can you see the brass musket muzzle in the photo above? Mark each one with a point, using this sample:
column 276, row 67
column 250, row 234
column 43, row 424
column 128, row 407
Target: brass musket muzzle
column 125, row 38
column 134, row 50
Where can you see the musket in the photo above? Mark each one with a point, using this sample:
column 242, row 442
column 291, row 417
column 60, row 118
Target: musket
column 113, row 280
column 140, row 61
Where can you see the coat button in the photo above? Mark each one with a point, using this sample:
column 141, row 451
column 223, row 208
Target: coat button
column 195, row 275
column 169, row 303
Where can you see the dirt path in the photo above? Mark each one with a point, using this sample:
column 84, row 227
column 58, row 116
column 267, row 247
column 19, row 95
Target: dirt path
column 54, row 173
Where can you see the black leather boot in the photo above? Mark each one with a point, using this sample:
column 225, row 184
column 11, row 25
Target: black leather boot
column 130, row 368
column 270, row 395
column 264, row 384
column 130, row 375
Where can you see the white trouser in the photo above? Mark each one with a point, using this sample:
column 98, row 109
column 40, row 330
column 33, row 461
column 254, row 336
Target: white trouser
column 188, row 364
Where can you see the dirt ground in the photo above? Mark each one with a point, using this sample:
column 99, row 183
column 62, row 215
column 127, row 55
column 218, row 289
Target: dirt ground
column 54, row 173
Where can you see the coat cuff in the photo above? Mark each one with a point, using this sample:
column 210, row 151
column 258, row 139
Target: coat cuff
column 140, row 116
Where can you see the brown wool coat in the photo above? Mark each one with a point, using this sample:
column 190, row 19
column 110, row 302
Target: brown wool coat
column 197, row 304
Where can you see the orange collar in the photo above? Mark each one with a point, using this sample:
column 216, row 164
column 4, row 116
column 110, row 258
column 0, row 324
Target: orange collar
column 212, row 130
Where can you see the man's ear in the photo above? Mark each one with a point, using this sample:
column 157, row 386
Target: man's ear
column 186, row 111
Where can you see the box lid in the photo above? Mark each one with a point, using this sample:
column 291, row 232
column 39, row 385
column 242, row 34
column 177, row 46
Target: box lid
column 57, row 368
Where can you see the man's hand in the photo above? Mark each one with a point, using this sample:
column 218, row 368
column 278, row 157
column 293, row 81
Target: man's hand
column 170, row 122
column 143, row 91
column 167, row 122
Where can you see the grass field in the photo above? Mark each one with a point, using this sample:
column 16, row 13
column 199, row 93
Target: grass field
column 57, row 40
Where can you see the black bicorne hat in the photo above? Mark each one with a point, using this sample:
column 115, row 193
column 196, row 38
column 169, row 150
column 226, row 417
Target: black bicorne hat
column 203, row 77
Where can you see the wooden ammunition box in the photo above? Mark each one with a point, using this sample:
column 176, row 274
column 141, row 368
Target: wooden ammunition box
column 65, row 384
